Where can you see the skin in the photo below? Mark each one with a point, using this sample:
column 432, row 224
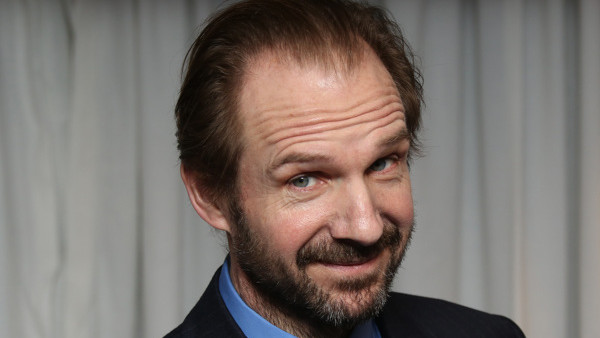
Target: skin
column 325, row 160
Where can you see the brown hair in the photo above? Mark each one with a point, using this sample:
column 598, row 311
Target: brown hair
column 320, row 32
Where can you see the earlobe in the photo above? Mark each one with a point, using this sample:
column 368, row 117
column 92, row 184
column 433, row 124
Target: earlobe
column 203, row 205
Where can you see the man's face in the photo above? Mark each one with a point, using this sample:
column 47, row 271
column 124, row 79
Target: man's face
column 325, row 199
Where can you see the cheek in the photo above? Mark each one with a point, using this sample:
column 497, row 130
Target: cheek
column 397, row 204
column 284, row 226
column 286, row 229
column 405, row 205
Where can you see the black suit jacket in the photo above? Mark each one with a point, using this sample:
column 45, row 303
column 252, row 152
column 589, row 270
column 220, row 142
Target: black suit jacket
column 403, row 316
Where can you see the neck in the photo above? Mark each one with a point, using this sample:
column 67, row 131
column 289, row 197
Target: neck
column 281, row 316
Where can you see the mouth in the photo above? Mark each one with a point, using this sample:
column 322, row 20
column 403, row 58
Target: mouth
column 351, row 261
column 349, row 268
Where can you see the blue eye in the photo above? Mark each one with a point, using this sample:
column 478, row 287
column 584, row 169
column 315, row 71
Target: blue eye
column 302, row 181
column 380, row 164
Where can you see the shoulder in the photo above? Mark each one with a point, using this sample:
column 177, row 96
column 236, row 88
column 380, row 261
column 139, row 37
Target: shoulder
column 209, row 317
column 415, row 316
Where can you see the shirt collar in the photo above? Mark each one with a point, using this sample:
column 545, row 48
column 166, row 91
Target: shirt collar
column 253, row 325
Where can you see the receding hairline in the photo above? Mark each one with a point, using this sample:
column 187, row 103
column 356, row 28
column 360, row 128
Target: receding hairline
column 334, row 61
column 337, row 64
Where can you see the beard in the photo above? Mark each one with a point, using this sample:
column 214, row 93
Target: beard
column 289, row 287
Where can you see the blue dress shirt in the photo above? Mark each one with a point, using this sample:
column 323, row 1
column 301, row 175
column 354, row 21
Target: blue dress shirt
column 253, row 325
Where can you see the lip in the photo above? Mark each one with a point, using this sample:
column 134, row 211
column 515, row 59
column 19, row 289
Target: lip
column 352, row 263
column 353, row 268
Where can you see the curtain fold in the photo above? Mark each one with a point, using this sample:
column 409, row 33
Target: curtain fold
column 98, row 239
column 588, row 212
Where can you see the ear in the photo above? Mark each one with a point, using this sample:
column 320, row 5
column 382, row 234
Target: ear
column 209, row 212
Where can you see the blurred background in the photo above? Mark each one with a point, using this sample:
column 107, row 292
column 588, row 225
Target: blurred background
column 98, row 238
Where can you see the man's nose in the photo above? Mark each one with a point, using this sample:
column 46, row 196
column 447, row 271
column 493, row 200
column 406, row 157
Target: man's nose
column 359, row 218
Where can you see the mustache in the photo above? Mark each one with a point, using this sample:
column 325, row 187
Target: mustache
column 345, row 251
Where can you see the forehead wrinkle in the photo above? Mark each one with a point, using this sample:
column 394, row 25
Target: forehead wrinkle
column 377, row 100
column 277, row 128
column 333, row 126
column 318, row 127
column 285, row 144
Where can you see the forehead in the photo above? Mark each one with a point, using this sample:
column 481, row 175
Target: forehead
column 282, row 102
column 291, row 76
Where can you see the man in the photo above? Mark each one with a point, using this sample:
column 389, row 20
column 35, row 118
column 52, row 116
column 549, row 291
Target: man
column 296, row 123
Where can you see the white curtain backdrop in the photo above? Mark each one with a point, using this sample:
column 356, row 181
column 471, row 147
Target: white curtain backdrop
column 97, row 238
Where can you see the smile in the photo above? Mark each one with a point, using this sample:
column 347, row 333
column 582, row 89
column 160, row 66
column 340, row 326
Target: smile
column 351, row 261
column 353, row 267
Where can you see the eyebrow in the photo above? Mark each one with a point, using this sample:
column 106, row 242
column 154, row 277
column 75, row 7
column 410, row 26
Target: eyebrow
column 393, row 140
column 296, row 157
